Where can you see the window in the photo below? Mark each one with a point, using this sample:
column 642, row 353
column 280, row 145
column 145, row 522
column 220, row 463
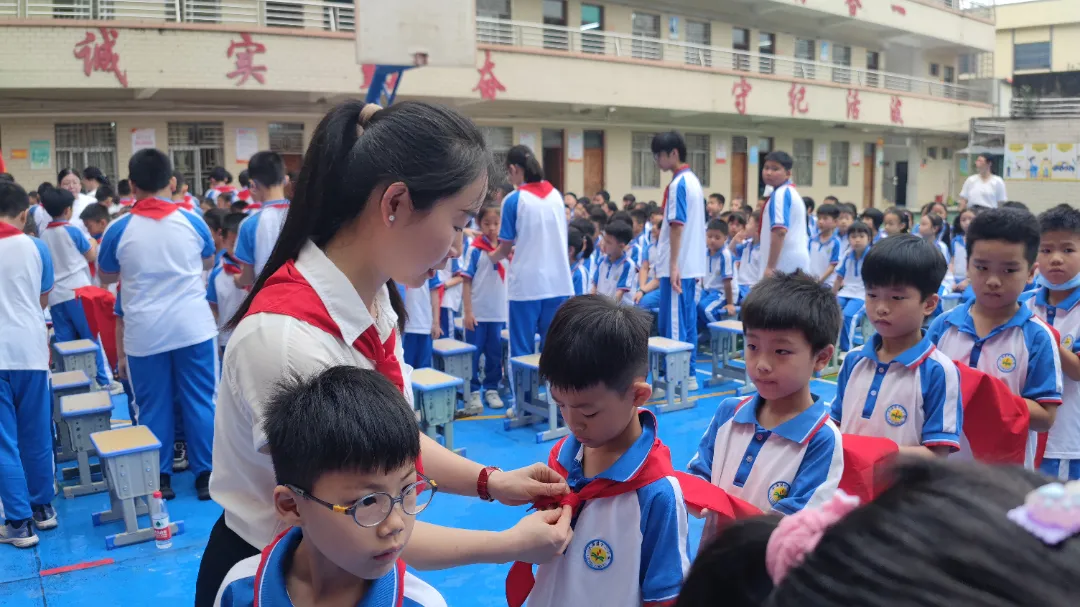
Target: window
column 87, row 145
column 740, row 41
column 950, row 74
column 646, row 31
column 496, row 9
column 931, row 152
column 805, row 49
column 643, row 170
column 499, row 140
column 698, row 34
column 558, row 37
column 840, row 151
column 1031, row 56
column 803, row 171
column 494, row 33
column 287, row 137
column 873, row 64
column 697, row 156
column 196, row 148
column 935, row 69
column 946, row 154
column 592, row 20
column 841, row 56
column 766, row 46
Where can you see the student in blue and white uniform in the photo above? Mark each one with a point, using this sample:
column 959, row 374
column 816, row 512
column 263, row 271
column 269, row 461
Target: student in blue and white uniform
column 221, row 290
column 159, row 252
column 579, row 247
column 959, row 249
column 72, row 252
column 784, row 239
column 617, row 274
column 932, row 228
column 849, row 286
column 648, row 291
column 421, row 324
column 485, row 301
column 682, row 238
column 259, row 233
column 717, row 294
column 450, row 305
column 26, row 458
column 534, row 227
column 825, row 247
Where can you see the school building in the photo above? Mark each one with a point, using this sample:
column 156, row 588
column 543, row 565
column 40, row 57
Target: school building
column 1038, row 52
column 871, row 98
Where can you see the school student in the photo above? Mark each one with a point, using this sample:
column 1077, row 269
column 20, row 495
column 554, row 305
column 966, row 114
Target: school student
column 221, row 290
column 849, row 287
column 616, row 277
column 421, row 323
column 220, row 183
column 450, row 296
column 959, row 248
column 784, row 238
column 26, row 437
column 747, row 250
column 717, row 295
column 485, row 302
column 159, row 252
column 180, row 195
column 344, row 445
column 825, row 247
column 259, row 232
column 579, row 247
column 96, row 218
column 682, row 245
column 874, row 218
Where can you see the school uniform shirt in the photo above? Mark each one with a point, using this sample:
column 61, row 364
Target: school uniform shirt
column 845, row 245
column 41, row 217
column 158, row 250
column 851, row 271
column 656, row 257
column 579, row 273
column 959, row 258
column 785, row 209
column 263, row 349
column 824, row 255
column 811, row 225
column 418, row 306
column 627, row 550
column 67, row 245
column 1063, row 441
column 398, row 588
column 489, row 287
column 749, row 266
column 221, row 290
column 26, row 274
column 615, row 277
column 949, row 280
column 796, row 465
column 81, row 202
column 258, row 234
column 720, row 268
column 534, row 219
column 451, row 298
column 1022, row 353
column 912, row 400
column 684, row 204
column 642, row 239
column 216, row 191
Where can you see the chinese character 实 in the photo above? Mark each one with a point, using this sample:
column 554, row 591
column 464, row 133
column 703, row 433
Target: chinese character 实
column 797, row 99
column 488, row 85
column 895, row 107
column 245, row 51
column 99, row 56
column 741, row 89
column 853, row 104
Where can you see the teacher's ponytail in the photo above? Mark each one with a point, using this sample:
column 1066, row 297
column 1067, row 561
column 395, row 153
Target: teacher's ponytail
column 522, row 156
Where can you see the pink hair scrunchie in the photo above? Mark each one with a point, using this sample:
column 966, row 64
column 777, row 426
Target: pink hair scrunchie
column 797, row 535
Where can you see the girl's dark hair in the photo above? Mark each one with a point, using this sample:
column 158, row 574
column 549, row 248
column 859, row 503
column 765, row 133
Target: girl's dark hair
column 731, row 565
column 575, row 238
column 588, row 230
column 957, row 229
column 935, row 221
column 433, row 150
column 63, row 173
column 902, row 216
column 96, row 174
column 522, row 156
column 484, row 210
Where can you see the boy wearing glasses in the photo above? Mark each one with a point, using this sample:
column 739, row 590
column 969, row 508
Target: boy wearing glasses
column 344, row 444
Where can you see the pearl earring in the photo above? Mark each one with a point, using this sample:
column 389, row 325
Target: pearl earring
column 391, row 219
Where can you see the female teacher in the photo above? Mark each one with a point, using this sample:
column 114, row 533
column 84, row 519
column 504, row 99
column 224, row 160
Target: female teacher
column 383, row 196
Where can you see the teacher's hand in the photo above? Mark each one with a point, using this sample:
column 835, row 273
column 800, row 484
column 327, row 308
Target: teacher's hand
column 525, row 485
column 542, row 536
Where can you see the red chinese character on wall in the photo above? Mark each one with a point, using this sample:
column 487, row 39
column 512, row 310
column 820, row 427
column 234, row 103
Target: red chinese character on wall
column 741, row 89
column 99, row 56
column 895, row 107
column 245, row 52
column 797, row 99
column 899, row 10
column 489, row 86
column 853, row 103
column 853, row 6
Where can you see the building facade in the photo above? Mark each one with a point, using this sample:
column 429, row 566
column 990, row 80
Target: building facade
column 867, row 96
column 1038, row 53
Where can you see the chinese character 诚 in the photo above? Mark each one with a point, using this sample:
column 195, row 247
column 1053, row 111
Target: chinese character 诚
column 245, row 52
column 853, row 103
column 489, row 86
column 797, row 99
column 99, row 56
column 741, row 89
column 895, row 107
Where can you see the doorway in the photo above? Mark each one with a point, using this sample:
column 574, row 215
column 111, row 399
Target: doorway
column 900, row 179
column 738, row 167
column 869, row 166
column 594, row 162
column 765, row 145
column 553, row 156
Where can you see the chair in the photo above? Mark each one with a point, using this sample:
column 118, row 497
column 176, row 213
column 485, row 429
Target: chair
column 532, row 407
column 669, row 362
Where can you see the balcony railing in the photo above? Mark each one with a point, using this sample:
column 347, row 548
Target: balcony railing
column 1045, row 107
column 592, row 42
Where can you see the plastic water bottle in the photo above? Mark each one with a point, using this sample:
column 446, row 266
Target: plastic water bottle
column 159, row 516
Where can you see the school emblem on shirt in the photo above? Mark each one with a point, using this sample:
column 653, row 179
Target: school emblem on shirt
column 896, row 415
column 1068, row 342
column 778, row 491
column 1006, row 363
column 598, row 555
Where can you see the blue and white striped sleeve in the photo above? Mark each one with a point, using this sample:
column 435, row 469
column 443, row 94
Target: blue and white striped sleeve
column 47, row 274
column 836, row 409
column 579, row 279
column 677, row 206
column 780, row 211
column 834, row 256
column 626, row 277
column 665, row 558
column 819, row 473
column 727, row 267
column 107, row 259
column 82, row 243
column 702, row 462
column 508, row 228
column 472, row 257
column 1043, row 383
column 211, row 285
column 942, row 409
column 842, row 269
column 203, row 231
column 434, row 282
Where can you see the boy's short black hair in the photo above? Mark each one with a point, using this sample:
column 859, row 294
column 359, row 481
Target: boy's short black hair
column 830, row 199
column 180, row 180
column 719, row 225
column 215, row 219
column 1015, row 204
column 593, row 340
column 809, row 203
column 718, row 196
column 629, row 198
column 56, row 201
column 94, row 212
column 220, row 174
column 737, row 217
column 266, row 169
column 7, row 177
column 793, row 301
column 150, row 170
column 604, row 194
column 622, row 216
column 669, row 141
column 850, row 209
column 875, row 215
column 244, row 178
column 611, row 206
column 341, row 419
column 1008, row 225
column 104, row 192
column 598, row 216
column 123, row 187
column 238, row 206
column 620, row 231
column 781, row 158
column 231, row 223
column 640, row 216
column 829, row 210
column 13, row 199
column 1062, row 218
column 905, row 260
column 587, row 227
column 860, row 228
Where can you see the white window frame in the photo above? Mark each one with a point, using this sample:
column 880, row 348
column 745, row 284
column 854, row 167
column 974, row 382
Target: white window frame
column 803, row 154
column 644, row 173
column 839, row 163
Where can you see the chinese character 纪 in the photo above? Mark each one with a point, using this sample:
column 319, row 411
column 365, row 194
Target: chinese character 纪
column 797, row 99
column 99, row 56
column 245, row 51
column 853, row 104
column 488, row 86
column 741, row 90
column 895, row 108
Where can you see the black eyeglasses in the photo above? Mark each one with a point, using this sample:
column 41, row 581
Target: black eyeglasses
column 371, row 510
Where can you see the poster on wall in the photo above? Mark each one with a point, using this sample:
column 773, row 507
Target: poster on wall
column 1017, row 161
column 1040, row 161
column 752, row 156
column 721, row 152
column 963, row 164
column 822, row 154
column 40, row 154
column 143, row 139
column 247, row 144
column 856, row 155
column 1063, row 158
column 575, row 143
column 528, row 139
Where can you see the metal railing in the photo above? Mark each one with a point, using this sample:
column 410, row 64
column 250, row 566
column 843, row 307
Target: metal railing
column 1045, row 107
column 323, row 15
column 593, row 42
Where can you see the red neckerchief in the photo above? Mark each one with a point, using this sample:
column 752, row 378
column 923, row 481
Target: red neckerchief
column 221, row 189
column 230, row 265
column 154, row 208
column 6, row 230
column 185, row 204
column 540, row 189
column 127, row 202
column 483, row 244
column 663, row 203
column 56, row 224
column 244, row 195
column 995, row 420
column 657, row 465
